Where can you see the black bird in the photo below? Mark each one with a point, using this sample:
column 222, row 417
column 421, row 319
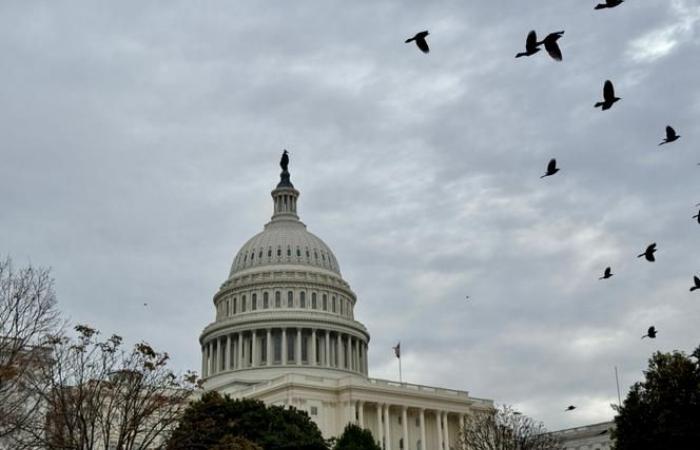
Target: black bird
column 697, row 216
column 420, row 41
column 607, row 274
column 608, row 4
column 651, row 333
column 649, row 253
column 670, row 135
column 550, row 44
column 531, row 45
column 551, row 168
column 697, row 284
column 608, row 96
column 570, row 408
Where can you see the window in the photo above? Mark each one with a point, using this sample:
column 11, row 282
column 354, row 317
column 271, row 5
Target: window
column 401, row 439
column 227, row 311
column 400, row 423
column 269, row 253
column 314, row 411
column 333, row 306
column 266, row 300
column 243, row 304
column 279, row 252
column 252, row 256
column 235, row 304
column 341, row 307
column 278, row 299
column 325, row 302
column 289, row 251
column 302, row 299
column 298, row 252
column 254, row 302
column 290, row 299
column 313, row 300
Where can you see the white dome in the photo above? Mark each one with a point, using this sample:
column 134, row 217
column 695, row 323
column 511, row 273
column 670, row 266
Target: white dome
column 285, row 242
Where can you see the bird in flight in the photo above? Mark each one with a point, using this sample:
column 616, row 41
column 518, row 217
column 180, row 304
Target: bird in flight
column 531, row 45
column 608, row 4
column 467, row 297
column 607, row 274
column 651, row 333
column 570, row 408
column 697, row 284
column 697, row 216
column 649, row 253
column 550, row 44
column 420, row 41
column 551, row 168
column 671, row 135
column 608, row 96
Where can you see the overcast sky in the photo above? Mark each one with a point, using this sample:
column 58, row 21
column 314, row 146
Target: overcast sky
column 140, row 142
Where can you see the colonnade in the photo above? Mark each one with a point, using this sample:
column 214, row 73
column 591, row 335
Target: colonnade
column 284, row 347
column 384, row 413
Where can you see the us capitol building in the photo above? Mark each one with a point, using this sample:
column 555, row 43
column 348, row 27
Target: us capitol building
column 285, row 333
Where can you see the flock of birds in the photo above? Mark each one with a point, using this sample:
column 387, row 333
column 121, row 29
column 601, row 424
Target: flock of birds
column 551, row 46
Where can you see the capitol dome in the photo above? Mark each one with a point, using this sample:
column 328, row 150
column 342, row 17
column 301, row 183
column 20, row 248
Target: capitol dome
column 284, row 308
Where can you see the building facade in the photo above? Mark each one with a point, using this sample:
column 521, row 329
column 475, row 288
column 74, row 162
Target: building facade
column 589, row 437
column 285, row 333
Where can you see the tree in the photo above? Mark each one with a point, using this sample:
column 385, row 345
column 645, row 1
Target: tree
column 664, row 410
column 97, row 394
column 356, row 438
column 27, row 316
column 506, row 429
column 213, row 418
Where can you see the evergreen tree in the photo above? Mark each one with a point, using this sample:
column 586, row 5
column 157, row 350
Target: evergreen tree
column 356, row 438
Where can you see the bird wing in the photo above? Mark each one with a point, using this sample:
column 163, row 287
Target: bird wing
column 697, row 280
column 553, row 49
column 422, row 44
column 607, row 271
column 608, row 90
column 531, row 42
column 552, row 165
column 670, row 132
column 650, row 257
column 652, row 246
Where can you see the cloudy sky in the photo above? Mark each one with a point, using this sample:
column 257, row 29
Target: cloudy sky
column 140, row 142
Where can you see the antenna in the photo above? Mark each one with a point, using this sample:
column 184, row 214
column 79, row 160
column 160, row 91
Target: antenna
column 617, row 380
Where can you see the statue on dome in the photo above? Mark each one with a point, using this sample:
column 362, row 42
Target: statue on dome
column 284, row 162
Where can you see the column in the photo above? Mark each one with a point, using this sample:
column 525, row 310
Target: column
column 328, row 350
column 361, row 414
column 297, row 350
column 387, row 427
column 447, row 433
column 365, row 358
column 353, row 413
column 227, row 363
column 313, row 360
column 204, row 361
column 338, row 350
column 284, row 346
column 222, row 355
column 380, row 438
column 463, row 445
column 422, row 430
column 404, row 421
column 347, row 355
column 253, row 350
column 438, row 419
column 268, row 343
column 240, row 350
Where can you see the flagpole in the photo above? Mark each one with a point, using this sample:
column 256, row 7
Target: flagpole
column 400, row 375
column 617, row 380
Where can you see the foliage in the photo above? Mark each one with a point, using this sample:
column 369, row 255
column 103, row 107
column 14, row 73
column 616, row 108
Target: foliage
column 356, row 438
column 209, row 420
column 235, row 443
column 99, row 395
column 506, row 429
column 27, row 316
column 664, row 410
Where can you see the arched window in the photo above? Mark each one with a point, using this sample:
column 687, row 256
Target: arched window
column 278, row 299
column 290, row 299
column 254, row 302
column 279, row 252
column 313, row 300
column 227, row 311
column 269, row 252
column 298, row 252
column 243, row 303
column 289, row 251
column 235, row 304
column 325, row 302
column 302, row 299
column 333, row 305
column 266, row 300
column 252, row 256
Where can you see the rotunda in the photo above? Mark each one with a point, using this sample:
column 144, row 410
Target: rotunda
column 284, row 307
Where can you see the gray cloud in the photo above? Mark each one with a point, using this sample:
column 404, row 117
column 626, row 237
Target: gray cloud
column 140, row 144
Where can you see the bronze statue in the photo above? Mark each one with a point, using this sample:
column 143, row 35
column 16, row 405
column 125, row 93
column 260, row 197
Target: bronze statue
column 284, row 162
